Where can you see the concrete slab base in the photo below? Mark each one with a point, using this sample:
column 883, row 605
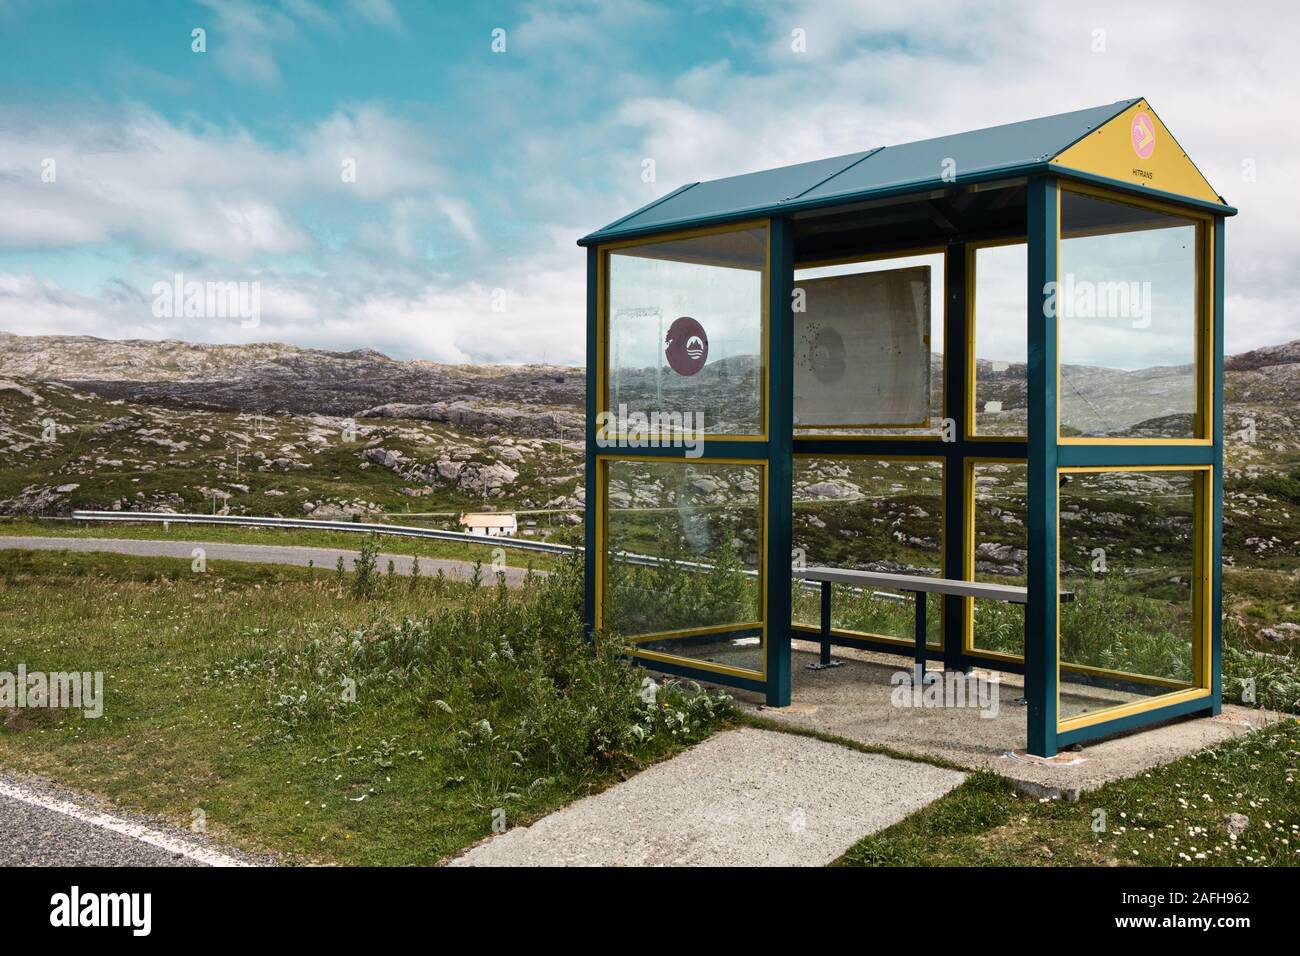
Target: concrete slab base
column 855, row 702
column 744, row 797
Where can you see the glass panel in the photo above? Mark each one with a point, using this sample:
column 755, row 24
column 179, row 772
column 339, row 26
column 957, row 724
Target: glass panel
column 869, row 515
column 1128, row 321
column 900, row 304
column 1001, row 340
column 683, row 543
column 1127, row 556
column 739, row 649
column 686, row 330
column 1001, row 542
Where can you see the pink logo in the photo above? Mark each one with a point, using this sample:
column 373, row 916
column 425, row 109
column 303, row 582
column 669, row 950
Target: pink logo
column 1143, row 133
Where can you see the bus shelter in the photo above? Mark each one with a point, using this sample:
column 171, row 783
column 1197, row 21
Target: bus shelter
column 991, row 359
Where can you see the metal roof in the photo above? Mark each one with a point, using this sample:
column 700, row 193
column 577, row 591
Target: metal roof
column 1013, row 149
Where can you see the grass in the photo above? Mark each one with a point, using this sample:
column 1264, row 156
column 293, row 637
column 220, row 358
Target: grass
column 1169, row 816
column 342, row 540
column 307, row 721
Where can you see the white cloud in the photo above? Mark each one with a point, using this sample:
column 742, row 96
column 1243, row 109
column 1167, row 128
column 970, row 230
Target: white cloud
column 573, row 26
column 219, row 194
column 878, row 74
column 461, row 215
column 405, row 258
column 402, row 309
column 242, row 39
column 381, row 13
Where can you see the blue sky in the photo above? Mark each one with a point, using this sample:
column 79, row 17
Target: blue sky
column 477, row 170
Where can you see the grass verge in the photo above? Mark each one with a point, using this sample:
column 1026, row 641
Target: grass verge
column 303, row 719
column 1174, row 815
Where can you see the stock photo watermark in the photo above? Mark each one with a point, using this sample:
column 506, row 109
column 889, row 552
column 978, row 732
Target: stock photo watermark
column 1073, row 298
column 946, row 690
column 56, row 690
column 75, row 908
column 624, row 429
column 193, row 299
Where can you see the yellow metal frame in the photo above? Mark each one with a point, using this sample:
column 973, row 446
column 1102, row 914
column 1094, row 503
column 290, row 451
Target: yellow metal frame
column 1202, row 583
column 943, row 531
column 602, row 538
column 602, row 317
column 833, row 431
column 971, row 249
column 968, row 557
column 1204, row 316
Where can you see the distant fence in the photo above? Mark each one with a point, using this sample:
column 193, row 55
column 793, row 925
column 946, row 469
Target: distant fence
column 310, row 524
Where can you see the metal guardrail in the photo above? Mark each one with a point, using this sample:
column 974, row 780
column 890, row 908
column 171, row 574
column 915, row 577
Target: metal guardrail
column 309, row 524
column 407, row 531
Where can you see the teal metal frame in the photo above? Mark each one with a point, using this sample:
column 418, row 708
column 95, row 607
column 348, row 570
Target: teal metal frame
column 780, row 458
column 1041, row 615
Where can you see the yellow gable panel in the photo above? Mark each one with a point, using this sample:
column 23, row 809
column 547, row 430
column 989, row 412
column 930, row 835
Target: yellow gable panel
column 1135, row 147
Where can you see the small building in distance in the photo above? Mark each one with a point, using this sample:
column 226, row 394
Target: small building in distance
column 490, row 524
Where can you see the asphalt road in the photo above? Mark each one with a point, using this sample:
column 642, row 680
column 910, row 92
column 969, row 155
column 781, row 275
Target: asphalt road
column 217, row 551
column 42, row 824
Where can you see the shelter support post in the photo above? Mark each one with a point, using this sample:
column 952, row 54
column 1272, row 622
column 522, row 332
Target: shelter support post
column 1042, row 608
column 780, row 459
column 1216, row 511
column 591, row 512
column 956, row 391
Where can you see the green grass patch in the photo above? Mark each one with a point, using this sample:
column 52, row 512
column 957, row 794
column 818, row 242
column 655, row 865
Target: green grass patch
column 304, row 719
column 1174, row 815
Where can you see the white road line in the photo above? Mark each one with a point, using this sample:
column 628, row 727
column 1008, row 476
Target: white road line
column 114, row 824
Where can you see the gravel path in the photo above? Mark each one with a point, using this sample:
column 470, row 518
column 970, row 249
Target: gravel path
column 215, row 551
column 42, row 824
column 745, row 797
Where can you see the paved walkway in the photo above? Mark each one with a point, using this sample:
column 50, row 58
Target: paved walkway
column 744, row 797
column 856, row 702
column 215, row 551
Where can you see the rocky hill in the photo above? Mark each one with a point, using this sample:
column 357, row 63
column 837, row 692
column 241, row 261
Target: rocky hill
column 63, row 448
column 273, row 377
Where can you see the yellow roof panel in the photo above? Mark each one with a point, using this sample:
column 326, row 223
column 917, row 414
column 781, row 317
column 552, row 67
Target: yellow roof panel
column 1135, row 147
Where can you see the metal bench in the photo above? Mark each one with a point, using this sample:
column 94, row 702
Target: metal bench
column 912, row 584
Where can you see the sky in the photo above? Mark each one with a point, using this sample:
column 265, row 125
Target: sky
column 412, row 177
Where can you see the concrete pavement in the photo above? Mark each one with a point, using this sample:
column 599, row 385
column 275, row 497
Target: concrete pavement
column 743, row 797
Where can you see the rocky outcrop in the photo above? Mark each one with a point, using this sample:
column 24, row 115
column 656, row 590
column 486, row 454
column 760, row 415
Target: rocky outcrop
column 498, row 419
column 473, row 477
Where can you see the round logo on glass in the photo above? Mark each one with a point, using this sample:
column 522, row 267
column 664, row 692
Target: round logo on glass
column 686, row 346
column 826, row 355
